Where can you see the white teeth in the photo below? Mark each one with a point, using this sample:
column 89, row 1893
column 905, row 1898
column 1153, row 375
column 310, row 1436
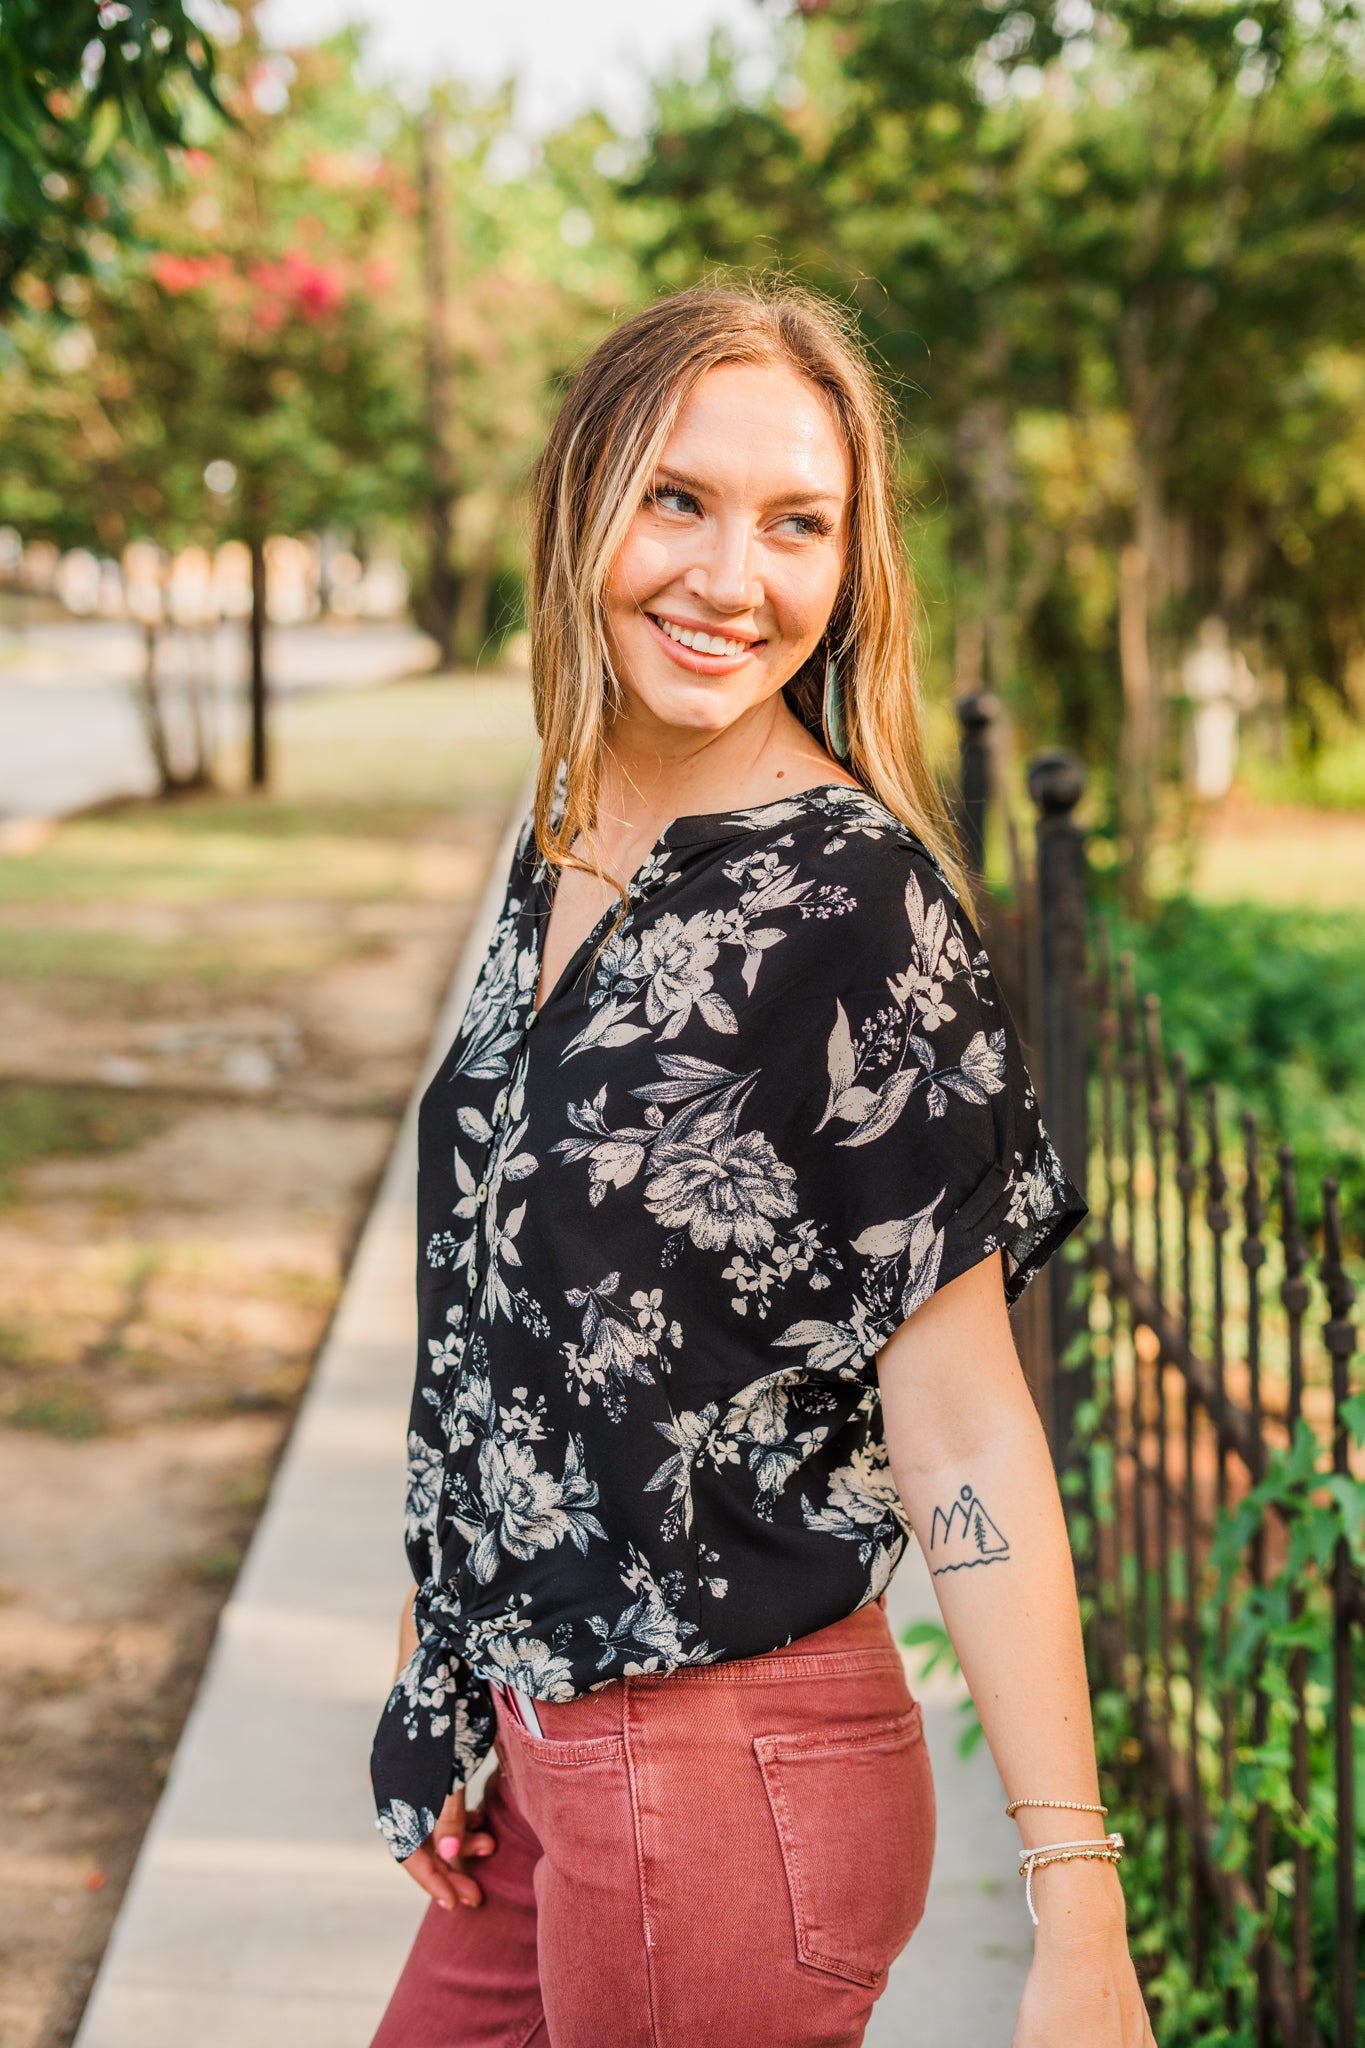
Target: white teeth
column 700, row 643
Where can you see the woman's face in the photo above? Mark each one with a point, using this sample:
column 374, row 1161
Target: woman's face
column 727, row 578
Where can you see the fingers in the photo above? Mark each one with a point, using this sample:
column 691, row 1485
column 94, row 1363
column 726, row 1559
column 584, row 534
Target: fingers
column 451, row 1819
column 440, row 1866
column 434, row 1877
column 478, row 1841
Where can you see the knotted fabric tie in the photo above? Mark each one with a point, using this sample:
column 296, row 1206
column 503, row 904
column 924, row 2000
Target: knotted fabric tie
column 436, row 1728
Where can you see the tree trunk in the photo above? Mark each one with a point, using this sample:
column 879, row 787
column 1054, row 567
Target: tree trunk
column 476, row 589
column 153, row 724
column 1136, row 762
column 441, row 591
column 260, row 755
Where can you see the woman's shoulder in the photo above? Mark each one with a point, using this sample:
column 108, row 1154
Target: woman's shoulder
column 851, row 834
column 861, row 892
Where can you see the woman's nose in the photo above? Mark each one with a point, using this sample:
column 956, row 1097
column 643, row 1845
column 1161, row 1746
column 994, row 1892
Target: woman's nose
column 725, row 576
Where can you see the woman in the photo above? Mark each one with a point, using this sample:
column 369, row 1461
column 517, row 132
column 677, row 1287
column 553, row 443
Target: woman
column 725, row 1188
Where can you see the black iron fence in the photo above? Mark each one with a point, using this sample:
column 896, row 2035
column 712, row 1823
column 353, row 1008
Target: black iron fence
column 1197, row 1383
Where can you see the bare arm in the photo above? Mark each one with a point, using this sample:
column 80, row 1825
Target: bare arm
column 973, row 1470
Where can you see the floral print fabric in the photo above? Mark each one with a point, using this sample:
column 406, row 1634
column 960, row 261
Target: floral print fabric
column 665, row 1226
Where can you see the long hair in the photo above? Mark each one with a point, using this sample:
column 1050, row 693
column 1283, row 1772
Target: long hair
column 599, row 461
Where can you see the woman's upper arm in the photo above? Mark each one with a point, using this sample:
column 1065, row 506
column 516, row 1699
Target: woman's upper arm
column 950, row 1375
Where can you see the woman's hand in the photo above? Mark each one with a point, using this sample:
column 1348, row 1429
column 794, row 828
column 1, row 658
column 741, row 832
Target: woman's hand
column 441, row 1865
column 1082, row 1990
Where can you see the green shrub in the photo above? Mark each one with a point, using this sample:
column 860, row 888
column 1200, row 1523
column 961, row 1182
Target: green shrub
column 1269, row 1003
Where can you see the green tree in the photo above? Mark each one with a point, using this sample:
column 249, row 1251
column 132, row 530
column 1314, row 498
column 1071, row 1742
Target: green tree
column 87, row 94
column 272, row 316
column 1109, row 257
column 261, row 328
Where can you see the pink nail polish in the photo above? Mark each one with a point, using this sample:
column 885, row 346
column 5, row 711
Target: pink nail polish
column 448, row 1847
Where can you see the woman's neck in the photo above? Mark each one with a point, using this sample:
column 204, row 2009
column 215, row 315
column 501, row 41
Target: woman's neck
column 650, row 779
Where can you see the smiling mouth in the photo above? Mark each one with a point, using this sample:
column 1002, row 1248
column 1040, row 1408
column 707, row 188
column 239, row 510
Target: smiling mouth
column 703, row 643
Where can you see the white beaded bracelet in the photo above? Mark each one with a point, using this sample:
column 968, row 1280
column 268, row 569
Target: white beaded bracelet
column 1106, row 1851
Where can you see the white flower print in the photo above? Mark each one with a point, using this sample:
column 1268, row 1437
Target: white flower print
column 495, row 1247
column 445, row 1352
column 669, row 964
column 676, row 961
column 526, row 1663
column 939, row 951
column 897, row 1037
column 687, row 1433
column 905, row 1257
column 405, row 1827
column 722, row 1187
column 981, row 1070
column 468, row 1411
column 614, row 1157
column 688, row 1256
column 489, row 1032
column 710, row 1181
column 649, row 1635
column 619, row 1344
column 837, row 1348
column 425, row 1464
column 862, row 1505
column 528, row 1509
column 756, row 1279
column 761, row 1417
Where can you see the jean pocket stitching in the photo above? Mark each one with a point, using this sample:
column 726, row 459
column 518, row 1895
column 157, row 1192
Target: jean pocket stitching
column 897, row 1732
column 889, row 1731
column 594, row 1749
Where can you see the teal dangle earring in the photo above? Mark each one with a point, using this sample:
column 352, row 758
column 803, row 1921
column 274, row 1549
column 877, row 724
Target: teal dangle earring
column 836, row 728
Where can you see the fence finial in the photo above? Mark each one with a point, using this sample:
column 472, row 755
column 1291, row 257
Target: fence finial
column 1056, row 781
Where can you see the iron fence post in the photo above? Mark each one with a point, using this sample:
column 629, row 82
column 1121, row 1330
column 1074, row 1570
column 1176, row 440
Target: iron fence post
column 1056, row 783
column 974, row 716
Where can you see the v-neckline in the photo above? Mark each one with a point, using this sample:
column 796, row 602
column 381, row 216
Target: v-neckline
column 688, row 822
column 584, row 944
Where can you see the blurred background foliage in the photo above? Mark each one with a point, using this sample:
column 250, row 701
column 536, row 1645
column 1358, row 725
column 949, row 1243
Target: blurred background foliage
column 87, row 94
column 1110, row 261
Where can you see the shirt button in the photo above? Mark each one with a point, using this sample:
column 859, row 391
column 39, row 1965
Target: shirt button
column 481, row 1192
column 473, row 1276
column 500, row 1105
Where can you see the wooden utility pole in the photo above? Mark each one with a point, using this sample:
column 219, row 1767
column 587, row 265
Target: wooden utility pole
column 441, row 592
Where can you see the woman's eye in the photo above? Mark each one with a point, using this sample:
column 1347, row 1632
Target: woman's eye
column 808, row 525
column 671, row 500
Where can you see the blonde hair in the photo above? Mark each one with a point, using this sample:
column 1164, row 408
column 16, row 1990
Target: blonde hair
column 598, row 463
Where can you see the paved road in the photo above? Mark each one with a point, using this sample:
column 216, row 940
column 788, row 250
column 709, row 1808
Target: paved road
column 70, row 734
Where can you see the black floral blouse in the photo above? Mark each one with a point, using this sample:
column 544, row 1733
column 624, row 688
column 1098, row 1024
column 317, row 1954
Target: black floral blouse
column 666, row 1224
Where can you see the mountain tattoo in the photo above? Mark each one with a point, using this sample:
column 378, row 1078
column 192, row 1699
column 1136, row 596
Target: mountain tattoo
column 964, row 1536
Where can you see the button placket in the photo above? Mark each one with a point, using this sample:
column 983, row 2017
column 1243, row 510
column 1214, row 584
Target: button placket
column 481, row 1192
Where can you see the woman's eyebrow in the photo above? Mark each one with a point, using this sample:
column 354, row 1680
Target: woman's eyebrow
column 796, row 496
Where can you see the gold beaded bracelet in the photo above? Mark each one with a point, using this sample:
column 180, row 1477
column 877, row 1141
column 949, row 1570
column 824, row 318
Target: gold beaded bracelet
column 1053, row 1805
column 1108, row 1850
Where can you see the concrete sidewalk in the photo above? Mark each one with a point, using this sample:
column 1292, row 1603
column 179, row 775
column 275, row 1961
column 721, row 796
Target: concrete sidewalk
column 264, row 1907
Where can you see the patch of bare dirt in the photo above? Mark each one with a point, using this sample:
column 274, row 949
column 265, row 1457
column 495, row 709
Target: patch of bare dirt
column 160, row 1305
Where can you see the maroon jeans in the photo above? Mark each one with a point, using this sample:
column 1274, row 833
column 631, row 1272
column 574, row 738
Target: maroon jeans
column 725, row 1857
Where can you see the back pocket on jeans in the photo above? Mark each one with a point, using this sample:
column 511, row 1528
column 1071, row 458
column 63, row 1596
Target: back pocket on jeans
column 854, row 1812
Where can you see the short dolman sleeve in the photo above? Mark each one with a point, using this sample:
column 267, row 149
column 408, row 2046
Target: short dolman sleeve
column 926, row 1151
